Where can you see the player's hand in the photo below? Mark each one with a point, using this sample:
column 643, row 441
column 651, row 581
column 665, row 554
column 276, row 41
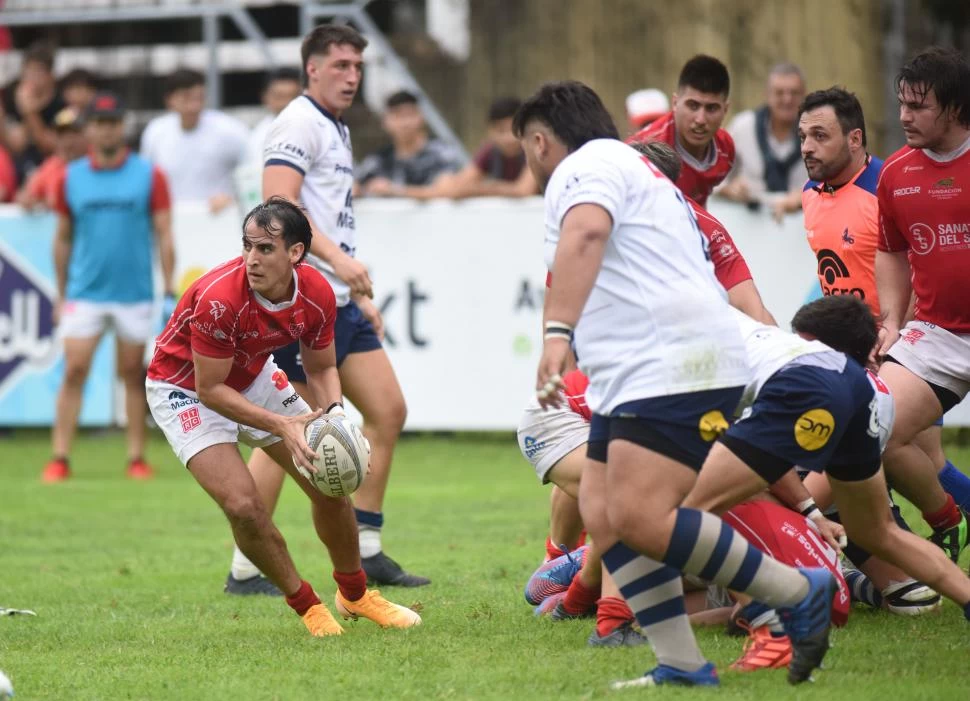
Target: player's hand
column 832, row 532
column 549, row 386
column 168, row 308
column 888, row 335
column 379, row 187
column 373, row 315
column 355, row 274
column 292, row 429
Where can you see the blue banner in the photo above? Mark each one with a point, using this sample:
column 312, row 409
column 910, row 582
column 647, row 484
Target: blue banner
column 31, row 358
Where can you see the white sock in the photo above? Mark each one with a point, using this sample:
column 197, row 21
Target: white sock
column 370, row 541
column 242, row 568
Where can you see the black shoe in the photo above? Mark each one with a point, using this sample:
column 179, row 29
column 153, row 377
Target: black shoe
column 383, row 571
column 254, row 585
column 623, row 635
column 953, row 540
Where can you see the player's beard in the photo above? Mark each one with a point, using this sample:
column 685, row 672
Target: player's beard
column 828, row 171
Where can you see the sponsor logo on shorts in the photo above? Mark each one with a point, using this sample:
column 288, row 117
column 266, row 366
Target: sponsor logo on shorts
column 532, row 447
column 912, row 336
column 216, row 308
column 712, row 425
column 814, row 428
column 291, row 399
column 280, row 380
column 178, row 400
column 190, row 419
column 904, row 191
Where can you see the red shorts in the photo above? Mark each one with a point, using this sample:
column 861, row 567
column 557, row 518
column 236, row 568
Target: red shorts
column 792, row 539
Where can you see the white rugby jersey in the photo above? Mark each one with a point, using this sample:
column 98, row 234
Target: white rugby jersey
column 656, row 322
column 885, row 409
column 305, row 136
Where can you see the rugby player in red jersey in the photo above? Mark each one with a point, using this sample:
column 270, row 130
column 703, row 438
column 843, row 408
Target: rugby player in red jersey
column 212, row 383
column 693, row 127
column 924, row 253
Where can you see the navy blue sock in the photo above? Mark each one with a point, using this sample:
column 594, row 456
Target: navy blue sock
column 956, row 484
column 374, row 519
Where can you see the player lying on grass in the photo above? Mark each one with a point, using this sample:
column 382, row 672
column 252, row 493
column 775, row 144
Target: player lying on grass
column 820, row 409
column 212, row 383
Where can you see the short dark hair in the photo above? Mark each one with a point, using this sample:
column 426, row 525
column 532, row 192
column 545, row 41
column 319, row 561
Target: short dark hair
column 572, row 110
column 40, row 52
column 842, row 322
column 79, row 76
column 183, row 79
column 277, row 216
column 319, row 40
column 503, row 108
column 845, row 105
column 291, row 75
column 945, row 72
column 401, row 97
column 661, row 155
column 705, row 74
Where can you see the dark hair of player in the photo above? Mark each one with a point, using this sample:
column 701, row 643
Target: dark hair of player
column 79, row 76
column 40, row 52
column 573, row 112
column 401, row 97
column 944, row 71
column 321, row 38
column 183, row 79
column 291, row 75
column 842, row 322
column 503, row 108
column 845, row 105
column 277, row 216
column 662, row 156
column 705, row 74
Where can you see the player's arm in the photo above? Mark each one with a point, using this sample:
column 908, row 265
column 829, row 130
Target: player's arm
column 744, row 296
column 286, row 181
column 63, row 244
column 210, row 385
column 894, row 286
column 320, row 367
column 161, row 206
column 790, row 491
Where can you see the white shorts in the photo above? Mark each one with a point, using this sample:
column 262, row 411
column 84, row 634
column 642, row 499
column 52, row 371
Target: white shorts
column 191, row 427
column 547, row 436
column 134, row 323
column 936, row 355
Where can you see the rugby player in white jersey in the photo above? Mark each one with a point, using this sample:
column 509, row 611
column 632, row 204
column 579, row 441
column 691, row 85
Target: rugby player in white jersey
column 308, row 159
column 632, row 276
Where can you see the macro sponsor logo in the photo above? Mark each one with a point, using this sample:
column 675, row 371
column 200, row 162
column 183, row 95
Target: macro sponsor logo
column 814, row 428
column 179, row 400
column 26, row 323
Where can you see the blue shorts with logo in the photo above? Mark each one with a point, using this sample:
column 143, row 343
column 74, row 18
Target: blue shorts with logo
column 682, row 427
column 814, row 417
column 352, row 334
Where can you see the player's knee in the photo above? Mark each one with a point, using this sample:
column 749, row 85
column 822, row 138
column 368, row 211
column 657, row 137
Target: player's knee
column 245, row 511
column 389, row 419
column 634, row 525
column 131, row 371
column 75, row 373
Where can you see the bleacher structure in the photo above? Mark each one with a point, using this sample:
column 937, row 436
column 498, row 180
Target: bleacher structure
column 133, row 44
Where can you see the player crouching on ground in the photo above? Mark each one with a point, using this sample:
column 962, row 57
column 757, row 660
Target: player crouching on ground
column 212, row 383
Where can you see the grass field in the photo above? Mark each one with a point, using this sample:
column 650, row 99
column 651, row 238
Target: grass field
column 127, row 578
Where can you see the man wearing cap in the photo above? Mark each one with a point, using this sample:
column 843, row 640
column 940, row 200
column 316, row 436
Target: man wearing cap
column 40, row 190
column 113, row 208
column 645, row 106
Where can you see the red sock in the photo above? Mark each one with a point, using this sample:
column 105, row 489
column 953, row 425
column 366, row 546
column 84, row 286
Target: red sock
column 947, row 517
column 611, row 613
column 353, row 585
column 582, row 539
column 552, row 550
column 579, row 598
column 303, row 599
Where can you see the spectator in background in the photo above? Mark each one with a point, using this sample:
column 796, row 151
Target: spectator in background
column 78, row 88
column 413, row 164
column 282, row 86
column 113, row 209
column 30, row 107
column 498, row 168
column 768, row 167
column 41, row 187
column 197, row 148
column 645, row 106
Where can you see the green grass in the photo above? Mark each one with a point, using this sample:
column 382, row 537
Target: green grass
column 126, row 579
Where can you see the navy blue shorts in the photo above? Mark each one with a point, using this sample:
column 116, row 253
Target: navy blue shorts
column 813, row 417
column 681, row 427
column 352, row 334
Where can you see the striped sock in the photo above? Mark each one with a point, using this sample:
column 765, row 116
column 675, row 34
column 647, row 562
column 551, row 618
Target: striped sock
column 705, row 546
column 862, row 589
column 655, row 594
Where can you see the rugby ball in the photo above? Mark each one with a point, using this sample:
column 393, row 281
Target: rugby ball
column 343, row 455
